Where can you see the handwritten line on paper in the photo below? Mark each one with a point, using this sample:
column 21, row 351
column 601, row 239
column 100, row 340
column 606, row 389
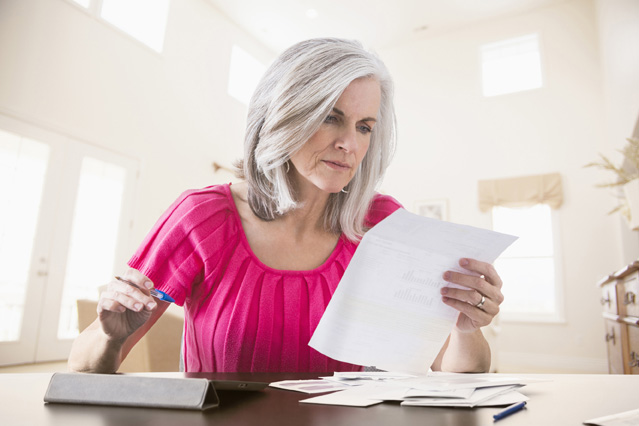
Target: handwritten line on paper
column 387, row 310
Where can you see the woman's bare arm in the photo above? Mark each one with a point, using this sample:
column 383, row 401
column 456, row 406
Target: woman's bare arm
column 125, row 314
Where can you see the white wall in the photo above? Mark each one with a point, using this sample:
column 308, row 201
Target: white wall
column 63, row 69
column 451, row 136
column 618, row 22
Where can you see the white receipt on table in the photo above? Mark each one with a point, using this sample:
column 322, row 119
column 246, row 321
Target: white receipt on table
column 627, row 418
column 387, row 310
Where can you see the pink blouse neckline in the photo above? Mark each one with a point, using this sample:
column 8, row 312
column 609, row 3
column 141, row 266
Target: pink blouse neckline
column 236, row 216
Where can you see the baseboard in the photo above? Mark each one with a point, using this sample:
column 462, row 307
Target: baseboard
column 522, row 362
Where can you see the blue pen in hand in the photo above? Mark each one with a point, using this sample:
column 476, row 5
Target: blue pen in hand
column 509, row 410
column 155, row 293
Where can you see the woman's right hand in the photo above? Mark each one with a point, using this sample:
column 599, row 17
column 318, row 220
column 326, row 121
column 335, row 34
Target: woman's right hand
column 123, row 308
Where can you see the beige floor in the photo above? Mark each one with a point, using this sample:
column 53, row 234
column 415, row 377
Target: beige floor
column 45, row 367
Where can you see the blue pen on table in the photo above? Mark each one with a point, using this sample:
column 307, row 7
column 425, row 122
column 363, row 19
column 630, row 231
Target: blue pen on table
column 509, row 410
column 158, row 294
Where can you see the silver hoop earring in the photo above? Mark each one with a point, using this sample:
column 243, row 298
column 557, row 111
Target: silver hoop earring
column 288, row 167
column 344, row 191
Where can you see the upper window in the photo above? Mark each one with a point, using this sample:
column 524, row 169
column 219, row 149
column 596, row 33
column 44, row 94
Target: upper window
column 144, row 20
column 244, row 74
column 511, row 66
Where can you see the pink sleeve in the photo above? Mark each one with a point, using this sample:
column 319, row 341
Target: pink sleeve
column 381, row 207
column 172, row 255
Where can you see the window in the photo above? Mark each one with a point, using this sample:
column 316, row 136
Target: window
column 64, row 231
column 529, row 267
column 527, row 206
column 84, row 3
column 94, row 237
column 244, row 74
column 511, row 66
column 145, row 20
column 23, row 166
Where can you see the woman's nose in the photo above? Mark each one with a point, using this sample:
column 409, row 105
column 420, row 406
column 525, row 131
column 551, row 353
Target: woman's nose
column 347, row 140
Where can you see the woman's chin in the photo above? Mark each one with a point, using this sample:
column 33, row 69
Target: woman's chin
column 331, row 189
column 331, row 186
column 334, row 189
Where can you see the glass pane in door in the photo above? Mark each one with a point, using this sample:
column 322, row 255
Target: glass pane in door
column 23, row 165
column 93, row 240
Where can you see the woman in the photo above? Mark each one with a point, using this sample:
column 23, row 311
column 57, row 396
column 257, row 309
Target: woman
column 255, row 263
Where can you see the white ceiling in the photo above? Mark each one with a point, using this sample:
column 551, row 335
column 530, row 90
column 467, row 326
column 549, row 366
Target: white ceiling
column 377, row 23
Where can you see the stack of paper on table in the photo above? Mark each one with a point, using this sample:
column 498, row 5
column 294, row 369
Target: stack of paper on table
column 437, row 389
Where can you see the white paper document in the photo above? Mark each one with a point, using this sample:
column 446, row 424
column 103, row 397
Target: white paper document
column 348, row 398
column 309, row 386
column 442, row 390
column 433, row 390
column 477, row 397
column 387, row 310
column 506, row 399
column 438, row 380
column 627, row 418
column 358, row 378
column 359, row 396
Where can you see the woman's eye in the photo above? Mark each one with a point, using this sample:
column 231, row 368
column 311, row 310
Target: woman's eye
column 364, row 129
column 330, row 119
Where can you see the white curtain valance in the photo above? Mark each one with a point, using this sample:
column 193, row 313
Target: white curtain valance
column 522, row 191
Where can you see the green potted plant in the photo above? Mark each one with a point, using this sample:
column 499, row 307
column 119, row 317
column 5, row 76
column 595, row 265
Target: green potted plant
column 627, row 177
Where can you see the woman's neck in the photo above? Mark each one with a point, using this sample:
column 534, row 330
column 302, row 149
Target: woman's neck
column 310, row 210
column 294, row 241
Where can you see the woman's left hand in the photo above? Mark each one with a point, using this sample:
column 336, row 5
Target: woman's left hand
column 479, row 302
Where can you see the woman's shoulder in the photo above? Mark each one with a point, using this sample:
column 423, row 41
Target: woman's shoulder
column 197, row 215
column 198, row 204
column 381, row 207
column 217, row 192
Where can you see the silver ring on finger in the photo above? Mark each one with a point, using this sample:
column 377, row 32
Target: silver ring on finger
column 481, row 302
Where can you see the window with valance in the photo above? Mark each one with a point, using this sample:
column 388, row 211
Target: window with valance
column 527, row 206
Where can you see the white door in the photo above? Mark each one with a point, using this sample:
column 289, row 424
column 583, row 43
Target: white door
column 66, row 209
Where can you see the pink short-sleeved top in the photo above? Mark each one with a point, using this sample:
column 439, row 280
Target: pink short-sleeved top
column 241, row 315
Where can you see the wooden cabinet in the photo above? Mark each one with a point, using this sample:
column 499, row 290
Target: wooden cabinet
column 628, row 296
column 620, row 307
column 615, row 347
column 633, row 351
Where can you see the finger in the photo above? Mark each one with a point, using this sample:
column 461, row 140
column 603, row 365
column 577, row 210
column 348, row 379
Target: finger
column 472, row 298
column 134, row 291
column 126, row 300
column 482, row 268
column 109, row 305
column 479, row 317
column 131, row 298
column 138, row 278
column 476, row 283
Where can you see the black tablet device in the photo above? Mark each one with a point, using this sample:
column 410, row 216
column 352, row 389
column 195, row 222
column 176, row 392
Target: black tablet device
column 238, row 385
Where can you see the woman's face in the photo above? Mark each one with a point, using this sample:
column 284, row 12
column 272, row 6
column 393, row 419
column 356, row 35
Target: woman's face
column 332, row 155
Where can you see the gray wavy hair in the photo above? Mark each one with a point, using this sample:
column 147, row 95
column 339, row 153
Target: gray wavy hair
column 292, row 100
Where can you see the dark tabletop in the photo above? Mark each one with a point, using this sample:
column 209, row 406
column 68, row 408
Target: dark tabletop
column 561, row 400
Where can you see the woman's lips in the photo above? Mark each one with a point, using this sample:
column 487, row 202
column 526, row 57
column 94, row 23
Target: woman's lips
column 337, row 165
